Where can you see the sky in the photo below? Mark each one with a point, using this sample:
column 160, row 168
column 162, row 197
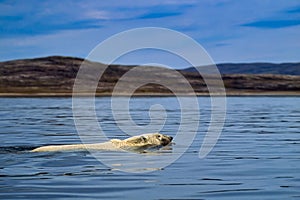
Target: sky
column 229, row 30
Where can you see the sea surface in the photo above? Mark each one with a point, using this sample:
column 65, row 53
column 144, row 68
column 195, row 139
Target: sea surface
column 256, row 157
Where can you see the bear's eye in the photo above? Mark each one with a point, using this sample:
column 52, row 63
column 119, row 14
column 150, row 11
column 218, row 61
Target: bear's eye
column 158, row 136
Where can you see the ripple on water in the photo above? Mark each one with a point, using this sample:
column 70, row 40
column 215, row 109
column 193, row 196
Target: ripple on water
column 256, row 157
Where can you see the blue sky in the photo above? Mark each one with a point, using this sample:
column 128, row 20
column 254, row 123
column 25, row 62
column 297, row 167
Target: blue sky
column 229, row 30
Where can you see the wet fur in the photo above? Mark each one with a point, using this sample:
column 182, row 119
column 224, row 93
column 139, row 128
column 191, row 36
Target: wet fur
column 135, row 143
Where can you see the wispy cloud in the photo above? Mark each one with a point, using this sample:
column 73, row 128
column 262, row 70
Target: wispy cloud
column 273, row 24
column 38, row 28
column 33, row 28
column 296, row 9
column 19, row 19
column 98, row 14
column 158, row 11
column 154, row 15
column 287, row 17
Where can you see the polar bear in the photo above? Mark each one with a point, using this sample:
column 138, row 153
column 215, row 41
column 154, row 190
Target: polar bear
column 136, row 143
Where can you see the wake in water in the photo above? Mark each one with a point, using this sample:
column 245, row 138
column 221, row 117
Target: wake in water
column 16, row 149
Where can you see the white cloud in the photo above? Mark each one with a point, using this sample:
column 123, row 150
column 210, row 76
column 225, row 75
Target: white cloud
column 98, row 14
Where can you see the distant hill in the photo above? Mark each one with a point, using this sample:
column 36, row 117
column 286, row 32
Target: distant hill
column 55, row 76
column 256, row 68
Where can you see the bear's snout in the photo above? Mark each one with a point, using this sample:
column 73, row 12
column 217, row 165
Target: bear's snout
column 167, row 140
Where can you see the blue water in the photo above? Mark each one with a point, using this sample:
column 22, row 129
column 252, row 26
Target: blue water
column 256, row 157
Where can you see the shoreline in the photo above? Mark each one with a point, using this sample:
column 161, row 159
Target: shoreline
column 228, row 94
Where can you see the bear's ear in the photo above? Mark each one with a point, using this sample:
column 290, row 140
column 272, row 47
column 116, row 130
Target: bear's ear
column 143, row 138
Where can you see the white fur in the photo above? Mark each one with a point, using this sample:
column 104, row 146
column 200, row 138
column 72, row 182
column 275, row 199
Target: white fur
column 133, row 143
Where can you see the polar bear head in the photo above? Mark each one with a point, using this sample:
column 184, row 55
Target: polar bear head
column 144, row 141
